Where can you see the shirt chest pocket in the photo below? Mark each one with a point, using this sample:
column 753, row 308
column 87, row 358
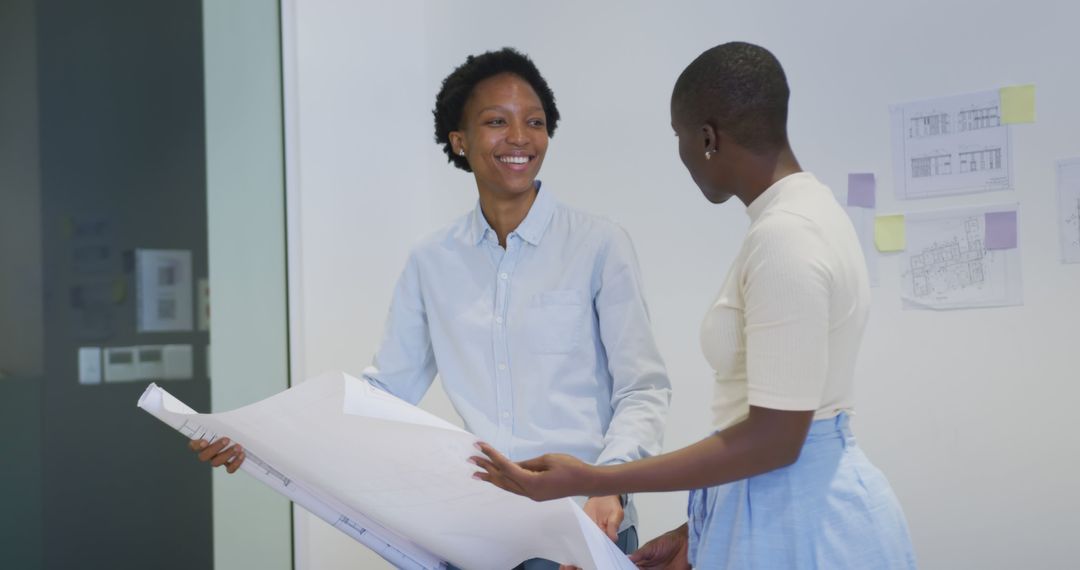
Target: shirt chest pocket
column 556, row 321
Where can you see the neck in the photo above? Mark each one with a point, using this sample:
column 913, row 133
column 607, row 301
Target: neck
column 504, row 211
column 757, row 172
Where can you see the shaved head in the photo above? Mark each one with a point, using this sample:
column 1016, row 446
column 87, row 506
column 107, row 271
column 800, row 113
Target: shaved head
column 739, row 88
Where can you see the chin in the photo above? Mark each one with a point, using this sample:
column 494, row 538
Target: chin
column 716, row 198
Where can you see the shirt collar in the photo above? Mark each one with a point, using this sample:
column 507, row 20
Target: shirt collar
column 531, row 229
column 772, row 193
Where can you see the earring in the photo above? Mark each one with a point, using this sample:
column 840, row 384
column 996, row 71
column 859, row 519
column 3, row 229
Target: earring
column 461, row 152
column 708, row 154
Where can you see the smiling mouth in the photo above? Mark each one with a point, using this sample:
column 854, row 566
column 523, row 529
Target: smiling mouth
column 513, row 159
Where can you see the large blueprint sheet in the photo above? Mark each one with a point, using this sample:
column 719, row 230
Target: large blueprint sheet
column 393, row 477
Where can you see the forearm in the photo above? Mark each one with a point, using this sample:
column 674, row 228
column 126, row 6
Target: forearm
column 637, row 427
column 766, row 440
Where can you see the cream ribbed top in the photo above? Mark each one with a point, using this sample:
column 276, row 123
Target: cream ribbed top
column 785, row 329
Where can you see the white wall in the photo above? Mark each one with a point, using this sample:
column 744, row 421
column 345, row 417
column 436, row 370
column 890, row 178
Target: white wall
column 967, row 411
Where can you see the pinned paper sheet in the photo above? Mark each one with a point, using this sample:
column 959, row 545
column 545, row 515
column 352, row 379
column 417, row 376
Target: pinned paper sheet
column 1018, row 104
column 1001, row 230
column 889, row 233
column 861, row 190
column 947, row 264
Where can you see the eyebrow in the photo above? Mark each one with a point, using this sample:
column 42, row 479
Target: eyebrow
column 501, row 108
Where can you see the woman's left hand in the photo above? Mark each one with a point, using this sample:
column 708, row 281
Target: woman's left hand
column 543, row 478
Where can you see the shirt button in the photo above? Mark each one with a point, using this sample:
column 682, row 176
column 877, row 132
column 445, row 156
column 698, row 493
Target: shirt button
column 504, row 276
column 502, row 366
column 499, row 320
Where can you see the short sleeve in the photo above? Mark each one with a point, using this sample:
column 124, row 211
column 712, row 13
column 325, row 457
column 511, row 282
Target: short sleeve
column 786, row 286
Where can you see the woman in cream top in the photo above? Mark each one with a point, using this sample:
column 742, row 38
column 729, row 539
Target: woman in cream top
column 780, row 483
column 785, row 329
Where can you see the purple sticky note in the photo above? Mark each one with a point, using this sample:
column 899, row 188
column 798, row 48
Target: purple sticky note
column 1001, row 230
column 861, row 190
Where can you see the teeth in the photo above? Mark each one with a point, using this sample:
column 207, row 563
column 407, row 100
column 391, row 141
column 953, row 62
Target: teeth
column 515, row 159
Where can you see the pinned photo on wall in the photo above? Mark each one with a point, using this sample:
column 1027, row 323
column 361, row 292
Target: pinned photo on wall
column 163, row 290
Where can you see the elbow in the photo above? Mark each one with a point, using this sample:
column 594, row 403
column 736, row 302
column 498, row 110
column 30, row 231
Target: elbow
column 782, row 433
column 788, row 455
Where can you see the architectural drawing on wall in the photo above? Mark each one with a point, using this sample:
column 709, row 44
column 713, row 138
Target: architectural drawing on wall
column 936, row 165
column 1068, row 183
column 951, row 145
column 948, row 266
column 928, row 125
column 977, row 160
column 984, row 118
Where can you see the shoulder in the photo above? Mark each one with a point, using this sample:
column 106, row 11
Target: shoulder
column 449, row 236
column 789, row 242
column 784, row 227
column 800, row 219
column 584, row 228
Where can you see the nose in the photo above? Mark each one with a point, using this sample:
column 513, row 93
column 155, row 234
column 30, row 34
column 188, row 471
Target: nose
column 517, row 134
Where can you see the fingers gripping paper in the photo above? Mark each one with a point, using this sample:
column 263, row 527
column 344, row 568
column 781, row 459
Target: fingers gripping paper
column 393, row 477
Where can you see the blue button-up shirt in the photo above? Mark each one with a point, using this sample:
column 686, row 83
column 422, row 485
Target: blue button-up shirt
column 544, row 347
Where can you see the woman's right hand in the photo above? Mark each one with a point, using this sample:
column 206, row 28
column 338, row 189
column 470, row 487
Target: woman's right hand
column 667, row 551
column 218, row 453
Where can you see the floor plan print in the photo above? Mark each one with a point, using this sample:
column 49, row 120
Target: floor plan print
column 947, row 265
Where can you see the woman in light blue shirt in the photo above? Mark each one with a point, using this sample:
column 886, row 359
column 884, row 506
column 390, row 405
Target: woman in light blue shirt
column 531, row 312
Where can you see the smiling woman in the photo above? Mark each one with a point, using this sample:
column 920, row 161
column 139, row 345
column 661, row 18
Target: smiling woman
column 531, row 313
column 493, row 116
column 503, row 137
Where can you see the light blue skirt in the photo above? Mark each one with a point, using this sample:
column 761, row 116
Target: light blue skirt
column 830, row 509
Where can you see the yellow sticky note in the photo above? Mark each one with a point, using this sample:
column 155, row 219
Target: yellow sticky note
column 889, row 233
column 1017, row 104
column 119, row 290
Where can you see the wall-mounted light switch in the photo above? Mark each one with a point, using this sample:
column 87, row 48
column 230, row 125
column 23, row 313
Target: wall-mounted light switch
column 177, row 363
column 151, row 362
column 89, row 365
column 121, row 364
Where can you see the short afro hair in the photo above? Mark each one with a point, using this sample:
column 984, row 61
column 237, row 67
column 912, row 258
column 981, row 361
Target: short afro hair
column 456, row 88
column 740, row 87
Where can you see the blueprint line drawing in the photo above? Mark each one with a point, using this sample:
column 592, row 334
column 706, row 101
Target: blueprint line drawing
column 928, row 125
column 984, row 118
column 1068, row 183
column 937, row 165
column 947, row 265
column 950, row 265
column 950, row 145
column 978, row 160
